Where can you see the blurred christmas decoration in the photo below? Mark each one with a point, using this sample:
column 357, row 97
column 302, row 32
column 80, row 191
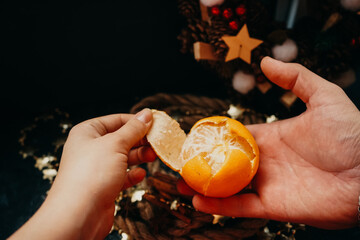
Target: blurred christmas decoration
column 43, row 141
column 286, row 52
column 352, row 5
column 321, row 35
column 210, row 3
column 242, row 82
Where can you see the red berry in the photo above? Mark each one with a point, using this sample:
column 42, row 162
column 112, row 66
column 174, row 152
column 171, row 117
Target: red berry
column 240, row 10
column 215, row 11
column 353, row 41
column 234, row 25
column 228, row 13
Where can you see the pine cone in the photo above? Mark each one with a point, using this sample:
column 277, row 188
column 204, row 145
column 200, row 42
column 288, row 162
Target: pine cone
column 195, row 31
column 348, row 27
column 189, row 8
column 215, row 32
column 186, row 41
column 332, row 63
column 258, row 20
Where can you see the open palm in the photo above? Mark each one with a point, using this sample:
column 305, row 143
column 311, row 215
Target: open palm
column 309, row 165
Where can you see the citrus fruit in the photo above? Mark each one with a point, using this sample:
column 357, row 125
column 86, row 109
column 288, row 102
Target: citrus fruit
column 218, row 158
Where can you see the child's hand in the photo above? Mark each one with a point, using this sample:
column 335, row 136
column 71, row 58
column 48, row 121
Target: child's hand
column 93, row 171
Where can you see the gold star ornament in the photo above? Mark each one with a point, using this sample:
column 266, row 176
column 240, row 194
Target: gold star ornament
column 241, row 45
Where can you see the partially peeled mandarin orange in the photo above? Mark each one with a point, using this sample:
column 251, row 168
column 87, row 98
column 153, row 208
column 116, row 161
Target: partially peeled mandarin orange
column 218, row 158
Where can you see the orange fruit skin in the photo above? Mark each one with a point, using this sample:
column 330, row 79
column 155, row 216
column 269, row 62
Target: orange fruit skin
column 196, row 173
column 237, row 170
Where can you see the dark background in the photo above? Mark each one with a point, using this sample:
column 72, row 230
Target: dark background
column 87, row 59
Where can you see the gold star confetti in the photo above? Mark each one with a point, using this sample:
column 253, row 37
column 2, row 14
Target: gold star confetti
column 65, row 127
column 174, row 205
column 271, row 119
column 49, row 174
column 241, row 45
column 235, row 111
column 137, row 195
column 44, row 162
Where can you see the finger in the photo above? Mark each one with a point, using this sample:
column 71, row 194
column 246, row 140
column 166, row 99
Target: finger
column 301, row 81
column 256, row 129
column 133, row 131
column 133, row 177
column 184, row 189
column 264, row 131
column 113, row 122
column 243, row 205
column 140, row 155
column 142, row 142
column 100, row 126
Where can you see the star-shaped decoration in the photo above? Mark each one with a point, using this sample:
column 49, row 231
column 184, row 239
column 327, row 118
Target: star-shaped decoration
column 241, row 45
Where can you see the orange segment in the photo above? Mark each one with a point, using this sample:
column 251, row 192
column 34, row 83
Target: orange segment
column 235, row 174
column 218, row 158
column 241, row 130
column 197, row 172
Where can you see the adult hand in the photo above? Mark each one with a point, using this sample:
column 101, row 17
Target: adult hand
column 309, row 165
column 93, row 171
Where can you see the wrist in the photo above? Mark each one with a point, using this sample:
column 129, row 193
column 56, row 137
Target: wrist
column 58, row 218
column 75, row 210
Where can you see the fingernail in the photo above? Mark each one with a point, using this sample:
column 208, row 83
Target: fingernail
column 144, row 115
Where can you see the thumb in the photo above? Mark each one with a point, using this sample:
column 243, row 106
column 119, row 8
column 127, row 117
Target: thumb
column 295, row 77
column 134, row 130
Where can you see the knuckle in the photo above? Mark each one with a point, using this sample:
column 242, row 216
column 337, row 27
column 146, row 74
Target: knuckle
column 123, row 142
column 91, row 124
column 75, row 129
column 97, row 125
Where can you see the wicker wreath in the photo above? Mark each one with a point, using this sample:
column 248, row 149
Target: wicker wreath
column 188, row 109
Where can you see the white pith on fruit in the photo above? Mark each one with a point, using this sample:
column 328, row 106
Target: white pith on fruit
column 214, row 142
